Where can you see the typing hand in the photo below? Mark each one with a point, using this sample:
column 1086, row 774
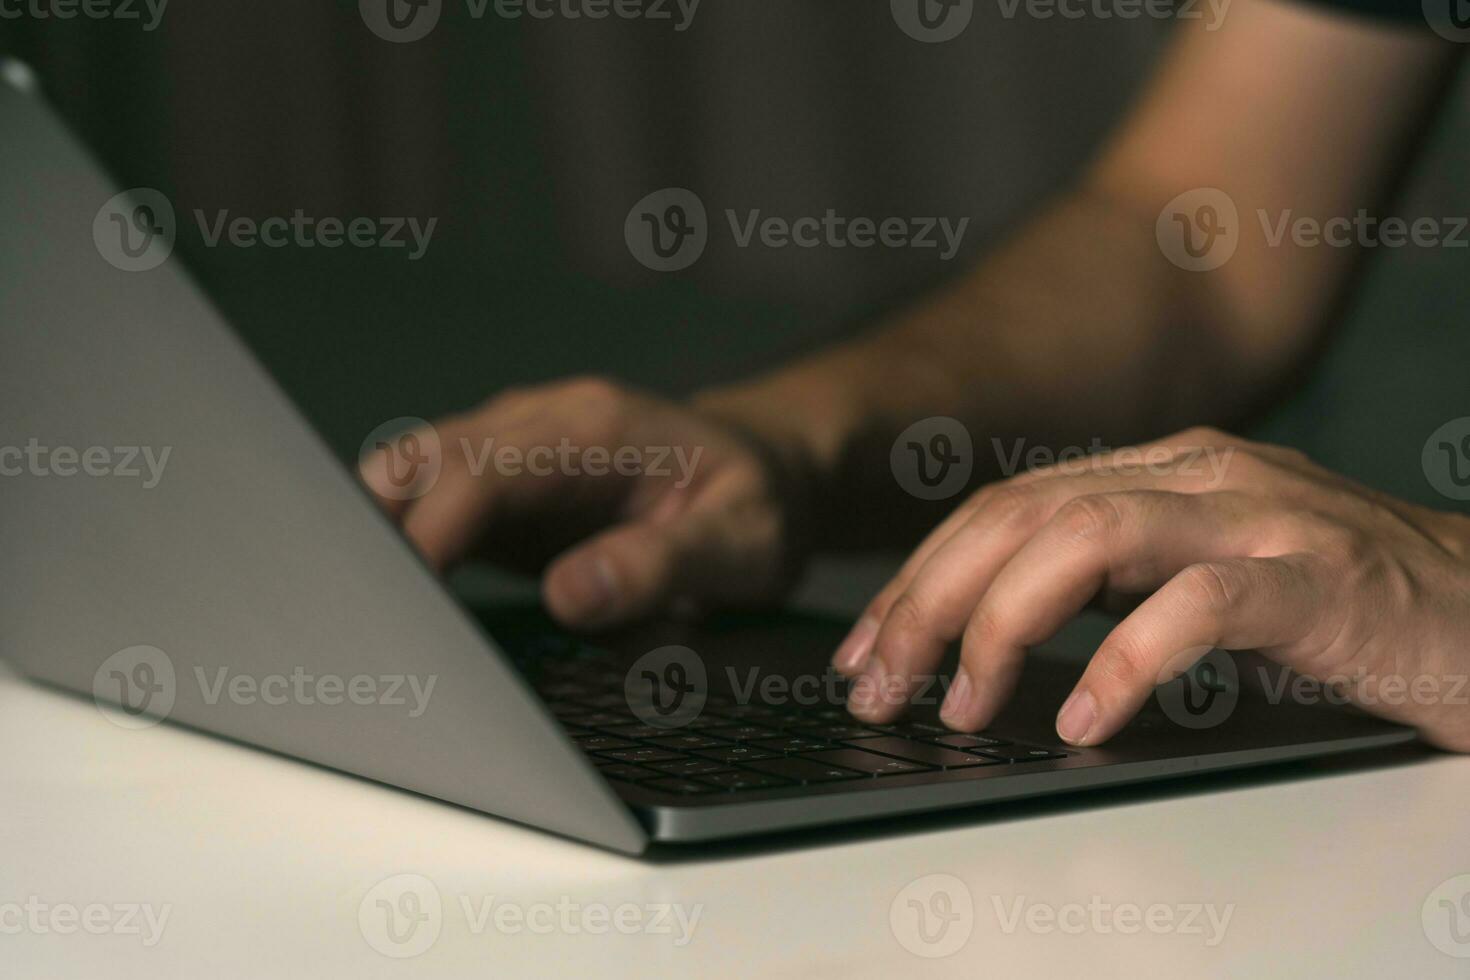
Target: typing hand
column 1212, row 541
column 641, row 505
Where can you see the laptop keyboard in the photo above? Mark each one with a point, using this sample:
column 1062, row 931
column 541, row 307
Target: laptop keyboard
column 734, row 747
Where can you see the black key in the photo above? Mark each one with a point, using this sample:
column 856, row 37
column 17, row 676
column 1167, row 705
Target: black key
column 921, row 752
column 743, row 733
column 1020, row 753
column 734, row 753
column 607, row 701
column 914, row 729
column 738, row 780
column 805, row 771
column 689, row 767
column 866, row 762
column 597, row 719
column 635, row 730
column 679, row 787
column 686, row 742
column 744, row 712
column 603, row 743
column 958, row 740
column 566, row 709
column 632, row 774
column 836, row 733
column 791, row 744
column 640, row 755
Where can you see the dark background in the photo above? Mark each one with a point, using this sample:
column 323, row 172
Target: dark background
column 529, row 142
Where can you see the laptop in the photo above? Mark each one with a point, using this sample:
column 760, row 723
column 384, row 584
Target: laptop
column 177, row 544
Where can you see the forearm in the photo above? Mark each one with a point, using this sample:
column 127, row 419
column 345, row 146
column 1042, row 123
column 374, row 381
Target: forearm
column 1074, row 333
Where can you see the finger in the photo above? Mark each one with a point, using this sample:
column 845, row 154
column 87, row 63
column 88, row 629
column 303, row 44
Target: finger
column 634, row 570
column 1235, row 604
column 470, row 492
column 1127, row 542
column 932, row 611
column 852, row 653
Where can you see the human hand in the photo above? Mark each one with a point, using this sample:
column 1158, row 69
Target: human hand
column 641, row 505
column 1264, row 551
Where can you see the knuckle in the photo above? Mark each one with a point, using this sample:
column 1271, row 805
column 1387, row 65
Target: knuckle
column 1204, row 435
column 908, row 614
column 984, row 631
column 592, row 388
column 1208, row 587
column 1089, row 517
column 1124, row 661
column 1012, row 505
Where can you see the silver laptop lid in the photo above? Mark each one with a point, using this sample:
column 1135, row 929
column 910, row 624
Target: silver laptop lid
column 175, row 538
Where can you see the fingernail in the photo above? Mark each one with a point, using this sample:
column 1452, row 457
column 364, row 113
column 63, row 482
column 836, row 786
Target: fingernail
column 852, row 651
column 864, row 700
column 957, row 702
column 1076, row 718
column 585, row 588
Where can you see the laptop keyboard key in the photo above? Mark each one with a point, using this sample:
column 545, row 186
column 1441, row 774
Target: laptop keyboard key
column 866, row 762
column 835, row 733
column 679, row 787
column 640, row 755
column 791, row 744
column 603, row 743
column 684, row 742
column 632, row 774
column 738, row 780
column 1021, row 753
column 743, row 733
column 958, row 740
column 805, row 770
column 734, row 753
column 689, row 767
column 921, row 752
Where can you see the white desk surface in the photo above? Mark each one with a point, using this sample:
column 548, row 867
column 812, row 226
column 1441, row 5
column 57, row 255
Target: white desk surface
column 263, row 864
